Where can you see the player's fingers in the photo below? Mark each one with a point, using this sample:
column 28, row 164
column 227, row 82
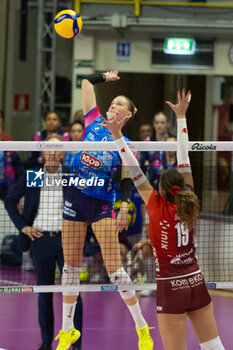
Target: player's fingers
column 39, row 229
column 188, row 96
column 119, row 226
column 178, row 96
column 170, row 104
column 123, row 223
column 37, row 234
column 31, row 236
column 104, row 125
column 183, row 94
column 117, row 223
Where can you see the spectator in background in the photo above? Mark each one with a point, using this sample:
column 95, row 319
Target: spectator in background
column 10, row 164
column 79, row 116
column 170, row 160
column 76, row 132
column 145, row 132
column 161, row 161
column 52, row 125
column 40, row 225
column 153, row 162
column 161, row 126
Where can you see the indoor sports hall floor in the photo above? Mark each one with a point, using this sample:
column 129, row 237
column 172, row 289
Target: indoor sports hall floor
column 107, row 323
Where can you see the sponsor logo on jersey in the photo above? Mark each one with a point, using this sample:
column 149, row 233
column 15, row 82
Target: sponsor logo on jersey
column 179, row 283
column 69, row 212
column 164, row 234
column 157, row 266
column 90, row 136
column 192, row 280
column 175, row 260
column 184, row 258
column 108, row 155
column 85, row 170
column 90, row 160
column 195, row 278
column 96, row 130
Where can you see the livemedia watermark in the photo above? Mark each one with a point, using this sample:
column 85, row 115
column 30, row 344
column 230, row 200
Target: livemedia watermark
column 36, row 178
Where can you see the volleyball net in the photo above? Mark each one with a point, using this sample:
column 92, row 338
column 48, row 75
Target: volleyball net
column 20, row 265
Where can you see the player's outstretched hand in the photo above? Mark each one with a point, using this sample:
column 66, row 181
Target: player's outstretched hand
column 114, row 125
column 111, row 76
column 182, row 105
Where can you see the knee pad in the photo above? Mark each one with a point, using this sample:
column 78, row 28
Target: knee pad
column 122, row 277
column 70, row 276
column 213, row 344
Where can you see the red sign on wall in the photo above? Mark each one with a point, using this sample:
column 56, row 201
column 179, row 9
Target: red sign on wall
column 21, row 102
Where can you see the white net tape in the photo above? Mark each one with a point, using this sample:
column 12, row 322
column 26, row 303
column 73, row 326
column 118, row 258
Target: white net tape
column 110, row 146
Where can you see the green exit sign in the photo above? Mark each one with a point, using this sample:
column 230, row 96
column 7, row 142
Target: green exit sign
column 179, row 46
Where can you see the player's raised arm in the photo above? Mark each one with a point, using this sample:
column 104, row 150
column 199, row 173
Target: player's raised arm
column 88, row 93
column 139, row 179
column 182, row 135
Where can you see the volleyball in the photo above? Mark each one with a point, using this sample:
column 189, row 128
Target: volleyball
column 68, row 24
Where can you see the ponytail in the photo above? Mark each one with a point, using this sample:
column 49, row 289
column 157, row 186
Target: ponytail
column 172, row 182
column 187, row 208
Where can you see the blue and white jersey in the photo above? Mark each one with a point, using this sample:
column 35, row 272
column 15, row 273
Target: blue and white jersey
column 97, row 168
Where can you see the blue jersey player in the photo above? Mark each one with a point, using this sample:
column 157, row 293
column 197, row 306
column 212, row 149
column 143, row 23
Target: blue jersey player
column 90, row 201
column 96, row 166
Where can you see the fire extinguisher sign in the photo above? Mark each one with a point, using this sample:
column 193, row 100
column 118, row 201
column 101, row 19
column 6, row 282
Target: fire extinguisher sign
column 21, row 102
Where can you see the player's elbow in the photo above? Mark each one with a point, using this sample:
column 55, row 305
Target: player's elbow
column 85, row 83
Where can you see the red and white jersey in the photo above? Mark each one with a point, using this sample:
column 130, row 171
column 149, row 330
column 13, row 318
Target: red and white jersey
column 173, row 246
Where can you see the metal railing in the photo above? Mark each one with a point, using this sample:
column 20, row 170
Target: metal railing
column 138, row 3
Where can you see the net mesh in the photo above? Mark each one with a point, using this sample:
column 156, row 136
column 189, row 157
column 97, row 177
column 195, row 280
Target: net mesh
column 212, row 168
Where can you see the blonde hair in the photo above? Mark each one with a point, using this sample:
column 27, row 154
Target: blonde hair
column 187, row 208
column 132, row 107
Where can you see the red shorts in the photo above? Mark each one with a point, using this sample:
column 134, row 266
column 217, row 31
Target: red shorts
column 182, row 294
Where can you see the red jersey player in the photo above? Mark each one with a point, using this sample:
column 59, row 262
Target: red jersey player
column 181, row 289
